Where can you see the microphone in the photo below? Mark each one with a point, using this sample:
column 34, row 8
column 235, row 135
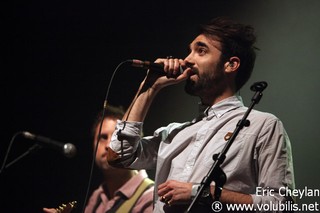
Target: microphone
column 69, row 150
column 259, row 86
column 150, row 65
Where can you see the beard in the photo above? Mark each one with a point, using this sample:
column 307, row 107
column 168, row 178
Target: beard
column 209, row 84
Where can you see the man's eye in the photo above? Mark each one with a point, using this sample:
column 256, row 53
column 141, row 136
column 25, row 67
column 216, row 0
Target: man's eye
column 202, row 51
column 103, row 137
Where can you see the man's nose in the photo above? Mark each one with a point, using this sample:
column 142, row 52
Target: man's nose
column 189, row 60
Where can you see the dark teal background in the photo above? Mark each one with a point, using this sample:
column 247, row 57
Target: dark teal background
column 57, row 58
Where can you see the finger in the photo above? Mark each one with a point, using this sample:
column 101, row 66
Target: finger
column 165, row 198
column 166, row 65
column 165, row 187
column 160, row 60
column 170, row 71
column 49, row 210
column 162, row 185
column 169, row 199
column 176, row 67
column 163, row 191
column 163, row 61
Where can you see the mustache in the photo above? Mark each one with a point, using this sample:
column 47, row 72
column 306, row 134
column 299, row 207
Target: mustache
column 193, row 69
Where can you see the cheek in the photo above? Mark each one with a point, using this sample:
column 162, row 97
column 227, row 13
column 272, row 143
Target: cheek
column 209, row 67
column 101, row 148
column 210, row 70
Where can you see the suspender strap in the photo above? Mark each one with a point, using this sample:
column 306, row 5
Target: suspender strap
column 127, row 206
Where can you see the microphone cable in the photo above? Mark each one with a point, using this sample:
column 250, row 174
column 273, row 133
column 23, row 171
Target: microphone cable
column 31, row 149
column 105, row 104
column 8, row 151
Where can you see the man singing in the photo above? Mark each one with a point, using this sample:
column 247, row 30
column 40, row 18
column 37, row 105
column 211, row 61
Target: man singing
column 220, row 62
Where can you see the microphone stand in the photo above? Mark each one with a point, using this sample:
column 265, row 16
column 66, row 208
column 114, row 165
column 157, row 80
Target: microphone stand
column 215, row 173
column 32, row 149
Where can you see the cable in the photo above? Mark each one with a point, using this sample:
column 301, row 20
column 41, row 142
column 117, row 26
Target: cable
column 99, row 135
column 32, row 149
column 8, row 151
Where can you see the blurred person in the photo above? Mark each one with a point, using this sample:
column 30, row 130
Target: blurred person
column 122, row 190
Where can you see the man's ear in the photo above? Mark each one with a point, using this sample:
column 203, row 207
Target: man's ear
column 232, row 65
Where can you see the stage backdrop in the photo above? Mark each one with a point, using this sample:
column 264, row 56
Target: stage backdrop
column 57, row 59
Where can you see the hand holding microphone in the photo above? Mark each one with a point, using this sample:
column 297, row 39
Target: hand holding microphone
column 174, row 69
column 169, row 67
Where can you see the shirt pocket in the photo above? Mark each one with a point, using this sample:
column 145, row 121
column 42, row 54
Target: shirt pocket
column 233, row 155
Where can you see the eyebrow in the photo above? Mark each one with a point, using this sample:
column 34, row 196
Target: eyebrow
column 203, row 44
column 199, row 44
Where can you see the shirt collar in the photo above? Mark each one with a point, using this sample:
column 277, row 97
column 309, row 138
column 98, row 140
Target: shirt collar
column 220, row 108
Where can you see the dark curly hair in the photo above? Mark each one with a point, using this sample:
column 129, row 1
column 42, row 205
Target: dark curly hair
column 236, row 40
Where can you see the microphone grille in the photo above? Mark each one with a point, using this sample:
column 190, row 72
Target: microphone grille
column 69, row 150
column 28, row 135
